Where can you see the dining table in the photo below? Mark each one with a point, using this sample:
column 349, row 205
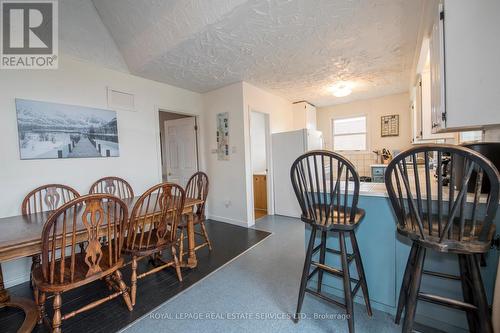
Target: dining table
column 20, row 237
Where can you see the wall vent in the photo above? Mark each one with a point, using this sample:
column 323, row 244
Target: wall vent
column 121, row 100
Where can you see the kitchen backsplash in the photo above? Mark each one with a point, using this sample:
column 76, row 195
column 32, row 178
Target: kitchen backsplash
column 362, row 161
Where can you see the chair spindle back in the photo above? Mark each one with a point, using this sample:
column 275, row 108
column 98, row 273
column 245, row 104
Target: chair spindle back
column 327, row 187
column 113, row 185
column 155, row 217
column 100, row 215
column 423, row 203
column 47, row 197
column 197, row 188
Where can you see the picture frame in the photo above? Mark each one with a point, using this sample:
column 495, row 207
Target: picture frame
column 389, row 125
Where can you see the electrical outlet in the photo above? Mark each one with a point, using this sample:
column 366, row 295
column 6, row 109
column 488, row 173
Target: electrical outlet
column 227, row 203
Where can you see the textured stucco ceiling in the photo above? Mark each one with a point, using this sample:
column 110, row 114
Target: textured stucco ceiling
column 294, row 48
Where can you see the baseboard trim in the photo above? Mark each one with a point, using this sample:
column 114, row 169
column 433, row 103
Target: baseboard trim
column 17, row 280
column 228, row 220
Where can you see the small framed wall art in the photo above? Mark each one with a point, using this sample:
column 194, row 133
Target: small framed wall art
column 389, row 125
column 223, row 136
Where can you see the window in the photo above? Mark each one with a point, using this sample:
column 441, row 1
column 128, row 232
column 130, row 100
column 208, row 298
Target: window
column 471, row 136
column 349, row 133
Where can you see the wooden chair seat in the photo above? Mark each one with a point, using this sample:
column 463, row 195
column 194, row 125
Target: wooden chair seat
column 154, row 245
column 80, row 273
column 336, row 218
column 470, row 242
column 196, row 220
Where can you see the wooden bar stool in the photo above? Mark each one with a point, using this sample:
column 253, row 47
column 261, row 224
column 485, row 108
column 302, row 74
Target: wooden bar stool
column 444, row 219
column 328, row 200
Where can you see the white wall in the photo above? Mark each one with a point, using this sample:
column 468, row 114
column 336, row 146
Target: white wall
column 80, row 83
column 373, row 109
column 226, row 196
column 230, row 196
column 258, row 141
column 280, row 120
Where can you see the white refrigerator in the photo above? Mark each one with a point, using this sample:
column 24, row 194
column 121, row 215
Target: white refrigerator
column 286, row 147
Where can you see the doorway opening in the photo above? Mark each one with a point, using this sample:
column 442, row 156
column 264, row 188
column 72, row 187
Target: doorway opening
column 178, row 146
column 259, row 153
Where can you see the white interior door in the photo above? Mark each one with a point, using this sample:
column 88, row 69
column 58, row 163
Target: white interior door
column 180, row 142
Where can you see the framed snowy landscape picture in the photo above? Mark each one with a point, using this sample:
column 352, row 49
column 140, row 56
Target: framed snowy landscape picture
column 52, row 130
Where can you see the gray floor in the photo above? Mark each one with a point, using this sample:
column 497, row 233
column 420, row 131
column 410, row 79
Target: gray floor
column 256, row 293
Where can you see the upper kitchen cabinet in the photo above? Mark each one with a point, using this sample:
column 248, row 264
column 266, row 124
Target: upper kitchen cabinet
column 465, row 65
column 304, row 115
column 421, row 104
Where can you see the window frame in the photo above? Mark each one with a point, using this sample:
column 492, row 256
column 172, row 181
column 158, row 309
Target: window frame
column 366, row 133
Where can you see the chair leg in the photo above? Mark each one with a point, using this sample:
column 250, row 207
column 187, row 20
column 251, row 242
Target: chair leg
column 133, row 280
column 484, row 319
column 467, row 291
column 305, row 273
column 181, row 245
column 322, row 253
column 347, row 282
column 41, row 307
column 361, row 272
column 205, row 234
column 35, row 260
column 56, row 320
column 123, row 288
column 416, row 279
column 403, row 293
column 176, row 264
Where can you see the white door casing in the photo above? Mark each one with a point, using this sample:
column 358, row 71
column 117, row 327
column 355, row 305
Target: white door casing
column 180, row 147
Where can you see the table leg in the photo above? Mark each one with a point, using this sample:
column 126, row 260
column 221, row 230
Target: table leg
column 28, row 306
column 191, row 262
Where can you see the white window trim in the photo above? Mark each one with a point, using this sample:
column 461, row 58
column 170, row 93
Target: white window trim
column 332, row 126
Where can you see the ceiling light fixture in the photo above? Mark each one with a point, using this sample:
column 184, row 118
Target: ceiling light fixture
column 341, row 89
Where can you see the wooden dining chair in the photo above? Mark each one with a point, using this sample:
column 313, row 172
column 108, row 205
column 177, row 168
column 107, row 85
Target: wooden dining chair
column 46, row 198
column 328, row 199
column 113, row 185
column 197, row 188
column 63, row 268
column 152, row 229
column 445, row 219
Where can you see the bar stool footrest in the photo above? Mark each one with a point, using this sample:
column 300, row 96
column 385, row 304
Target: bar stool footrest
column 453, row 303
column 350, row 256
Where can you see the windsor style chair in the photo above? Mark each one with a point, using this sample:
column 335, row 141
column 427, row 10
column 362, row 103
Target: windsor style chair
column 329, row 204
column 446, row 219
column 113, row 185
column 46, row 198
column 197, row 188
column 63, row 269
column 152, row 229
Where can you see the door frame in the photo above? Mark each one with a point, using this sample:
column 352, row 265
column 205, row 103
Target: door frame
column 269, row 175
column 199, row 135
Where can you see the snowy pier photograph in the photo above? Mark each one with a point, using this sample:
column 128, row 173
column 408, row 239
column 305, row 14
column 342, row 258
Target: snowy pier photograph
column 53, row 130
